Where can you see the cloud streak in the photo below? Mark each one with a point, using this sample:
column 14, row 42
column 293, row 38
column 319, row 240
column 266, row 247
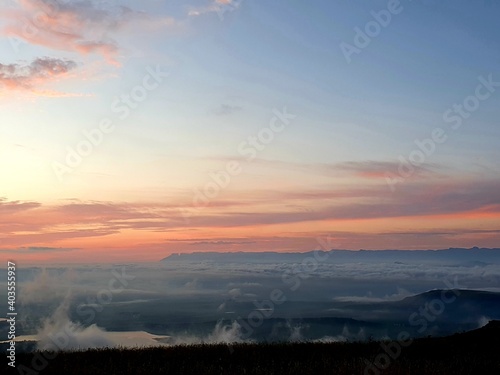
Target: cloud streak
column 358, row 215
column 10, row 207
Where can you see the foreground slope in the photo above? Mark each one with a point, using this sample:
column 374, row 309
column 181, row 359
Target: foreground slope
column 466, row 353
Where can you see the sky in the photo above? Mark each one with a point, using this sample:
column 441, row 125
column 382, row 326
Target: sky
column 133, row 130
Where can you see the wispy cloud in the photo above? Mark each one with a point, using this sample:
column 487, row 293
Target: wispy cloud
column 366, row 169
column 36, row 249
column 84, row 27
column 43, row 249
column 11, row 207
column 223, row 243
column 227, row 109
column 32, row 76
column 232, row 224
column 378, row 169
column 215, row 6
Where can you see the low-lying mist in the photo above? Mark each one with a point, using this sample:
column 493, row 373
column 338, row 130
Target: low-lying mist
column 201, row 301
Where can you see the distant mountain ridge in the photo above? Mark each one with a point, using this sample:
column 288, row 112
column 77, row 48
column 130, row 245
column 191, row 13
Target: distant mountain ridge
column 465, row 257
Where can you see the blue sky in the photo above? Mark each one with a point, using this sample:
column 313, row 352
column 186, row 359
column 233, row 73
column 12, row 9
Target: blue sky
column 231, row 65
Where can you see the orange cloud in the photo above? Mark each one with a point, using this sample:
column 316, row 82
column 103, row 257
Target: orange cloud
column 432, row 213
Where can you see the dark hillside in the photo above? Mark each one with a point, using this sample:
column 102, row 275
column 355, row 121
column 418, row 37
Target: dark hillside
column 474, row 352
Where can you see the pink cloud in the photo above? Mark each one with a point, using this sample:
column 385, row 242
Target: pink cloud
column 11, row 207
column 23, row 223
column 83, row 27
column 216, row 6
column 30, row 77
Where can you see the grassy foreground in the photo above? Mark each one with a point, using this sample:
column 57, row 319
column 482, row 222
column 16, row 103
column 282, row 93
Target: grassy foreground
column 475, row 352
